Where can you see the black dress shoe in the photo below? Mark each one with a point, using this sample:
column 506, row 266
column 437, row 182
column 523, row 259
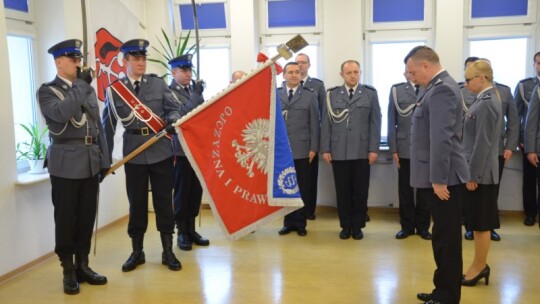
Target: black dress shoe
column 311, row 217
column 402, row 234
column 301, row 231
column 197, row 239
column 423, row 296
column 285, row 230
column 345, row 233
column 529, row 221
column 469, row 235
column 136, row 258
column 495, row 236
column 183, row 241
column 425, row 235
column 357, row 234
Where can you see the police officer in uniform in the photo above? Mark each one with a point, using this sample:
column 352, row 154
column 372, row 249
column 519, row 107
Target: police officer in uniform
column 439, row 170
column 532, row 131
column 522, row 96
column 350, row 138
column 508, row 140
column 300, row 112
column 77, row 160
column 154, row 164
column 317, row 87
column 412, row 216
column 187, row 188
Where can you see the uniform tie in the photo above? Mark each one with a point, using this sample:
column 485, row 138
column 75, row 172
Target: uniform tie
column 186, row 88
column 416, row 89
column 290, row 94
column 351, row 93
column 137, row 87
column 302, row 83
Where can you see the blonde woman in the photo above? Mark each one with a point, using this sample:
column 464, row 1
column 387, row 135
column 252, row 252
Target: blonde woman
column 481, row 126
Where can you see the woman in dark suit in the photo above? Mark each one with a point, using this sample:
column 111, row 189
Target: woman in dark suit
column 481, row 126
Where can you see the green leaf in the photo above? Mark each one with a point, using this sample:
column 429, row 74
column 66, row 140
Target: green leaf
column 168, row 43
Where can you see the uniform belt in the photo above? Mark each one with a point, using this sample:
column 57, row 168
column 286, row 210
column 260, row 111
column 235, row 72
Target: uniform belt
column 142, row 131
column 87, row 140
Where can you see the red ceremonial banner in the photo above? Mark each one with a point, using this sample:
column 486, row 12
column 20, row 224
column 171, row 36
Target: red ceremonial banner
column 227, row 144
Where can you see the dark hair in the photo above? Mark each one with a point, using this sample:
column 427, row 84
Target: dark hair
column 349, row 61
column 536, row 55
column 288, row 64
column 422, row 52
column 305, row 55
column 470, row 60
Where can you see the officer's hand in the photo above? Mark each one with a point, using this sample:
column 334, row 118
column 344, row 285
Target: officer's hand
column 103, row 174
column 198, row 88
column 170, row 129
column 85, row 74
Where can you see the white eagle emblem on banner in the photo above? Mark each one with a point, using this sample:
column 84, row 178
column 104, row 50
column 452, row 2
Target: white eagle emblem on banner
column 255, row 150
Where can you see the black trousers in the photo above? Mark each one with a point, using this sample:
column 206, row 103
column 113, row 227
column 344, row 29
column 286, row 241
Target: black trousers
column 74, row 202
column 297, row 218
column 412, row 216
column 446, row 243
column 160, row 175
column 351, row 179
column 530, row 195
column 311, row 202
column 187, row 191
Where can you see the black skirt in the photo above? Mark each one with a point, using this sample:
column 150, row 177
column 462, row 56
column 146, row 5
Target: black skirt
column 480, row 206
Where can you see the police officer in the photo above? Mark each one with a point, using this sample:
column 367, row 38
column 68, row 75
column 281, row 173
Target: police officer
column 509, row 134
column 187, row 188
column 522, row 96
column 402, row 101
column 532, row 131
column 77, row 158
column 317, row 87
column 154, row 164
column 350, row 138
column 438, row 167
column 300, row 112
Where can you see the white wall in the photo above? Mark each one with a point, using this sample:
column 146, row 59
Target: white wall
column 26, row 213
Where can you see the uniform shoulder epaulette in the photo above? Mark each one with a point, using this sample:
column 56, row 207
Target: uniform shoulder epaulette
column 280, row 88
column 152, row 75
column 461, row 84
column 370, row 87
column 486, row 96
column 500, row 85
column 399, row 84
column 308, row 89
column 527, row 79
column 48, row 84
column 316, row 79
column 332, row 88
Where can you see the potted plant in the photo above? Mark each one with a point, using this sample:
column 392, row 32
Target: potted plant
column 169, row 50
column 35, row 149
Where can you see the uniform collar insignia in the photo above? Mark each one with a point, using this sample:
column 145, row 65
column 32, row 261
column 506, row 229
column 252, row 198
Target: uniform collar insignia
column 64, row 86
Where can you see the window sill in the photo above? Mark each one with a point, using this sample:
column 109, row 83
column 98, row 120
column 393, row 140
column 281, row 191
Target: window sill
column 25, row 178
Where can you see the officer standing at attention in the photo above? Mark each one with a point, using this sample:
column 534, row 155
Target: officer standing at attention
column 317, row 87
column 532, row 131
column 77, row 160
column 509, row 134
column 301, row 116
column 350, row 138
column 439, row 170
column 402, row 101
column 522, row 96
column 187, row 188
column 155, row 164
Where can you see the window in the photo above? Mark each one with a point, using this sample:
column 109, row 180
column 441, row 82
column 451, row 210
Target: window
column 215, row 71
column 209, row 15
column 508, row 72
column 22, row 84
column 388, row 58
column 269, row 47
column 489, row 12
column 290, row 16
column 291, row 13
column 393, row 28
